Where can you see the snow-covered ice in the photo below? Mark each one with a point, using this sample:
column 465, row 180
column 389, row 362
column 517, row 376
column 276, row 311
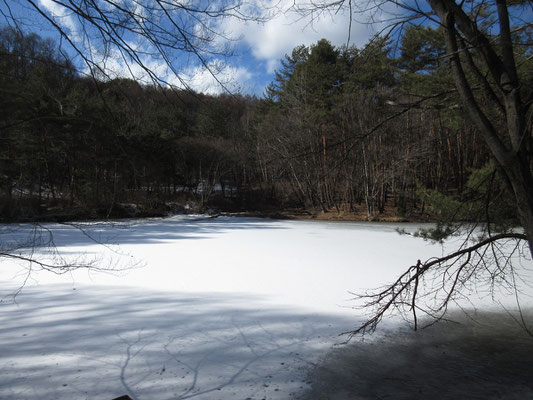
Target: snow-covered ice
column 193, row 307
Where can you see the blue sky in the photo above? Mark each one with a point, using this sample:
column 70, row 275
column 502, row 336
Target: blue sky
column 258, row 46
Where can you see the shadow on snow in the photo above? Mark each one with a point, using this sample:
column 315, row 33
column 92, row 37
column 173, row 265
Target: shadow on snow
column 482, row 355
column 103, row 342
column 131, row 231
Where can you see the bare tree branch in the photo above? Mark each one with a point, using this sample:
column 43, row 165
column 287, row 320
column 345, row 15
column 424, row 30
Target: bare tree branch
column 443, row 280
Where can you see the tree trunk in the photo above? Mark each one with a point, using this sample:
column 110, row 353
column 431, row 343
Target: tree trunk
column 510, row 153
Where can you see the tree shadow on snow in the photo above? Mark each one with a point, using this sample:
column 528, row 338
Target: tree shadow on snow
column 482, row 356
column 103, row 342
column 124, row 232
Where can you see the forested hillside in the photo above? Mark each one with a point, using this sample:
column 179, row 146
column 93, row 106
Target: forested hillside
column 367, row 133
column 79, row 147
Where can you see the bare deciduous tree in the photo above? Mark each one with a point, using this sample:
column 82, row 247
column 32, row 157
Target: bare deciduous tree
column 482, row 42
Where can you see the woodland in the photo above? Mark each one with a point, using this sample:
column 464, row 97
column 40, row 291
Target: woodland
column 376, row 133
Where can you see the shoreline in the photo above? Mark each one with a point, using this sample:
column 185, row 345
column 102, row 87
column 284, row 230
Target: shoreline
column 330, row 216
column 281, row 214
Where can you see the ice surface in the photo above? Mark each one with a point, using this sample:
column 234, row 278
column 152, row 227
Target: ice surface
column 313, row 265
column 192, row 307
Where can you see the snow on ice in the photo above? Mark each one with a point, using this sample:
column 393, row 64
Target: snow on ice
column 190, row 307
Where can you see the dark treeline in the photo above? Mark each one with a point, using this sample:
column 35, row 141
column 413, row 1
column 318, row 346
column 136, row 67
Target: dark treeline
column 74, row 146
column 340, row 130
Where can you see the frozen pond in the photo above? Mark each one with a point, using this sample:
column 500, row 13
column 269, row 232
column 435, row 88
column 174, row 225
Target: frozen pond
column 225, row 308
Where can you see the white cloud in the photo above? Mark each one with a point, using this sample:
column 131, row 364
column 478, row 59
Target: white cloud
column 216, row 78
column 212, row 80
column 232, row 78
column 270, row 41
column 63, row 16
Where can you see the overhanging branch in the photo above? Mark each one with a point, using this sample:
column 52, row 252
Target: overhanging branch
column 455, row 270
